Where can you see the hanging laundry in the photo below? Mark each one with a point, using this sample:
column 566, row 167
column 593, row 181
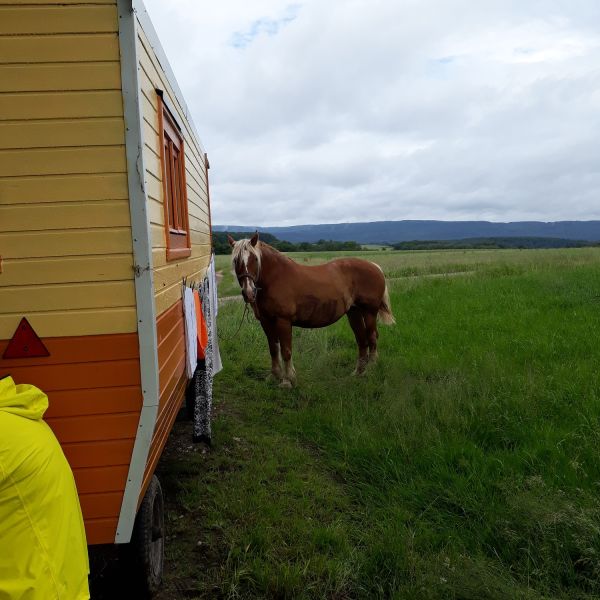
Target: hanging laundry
column 202, row 332
column 209, row 358
column 211, row 275
column 191, row 332
column 204, row 376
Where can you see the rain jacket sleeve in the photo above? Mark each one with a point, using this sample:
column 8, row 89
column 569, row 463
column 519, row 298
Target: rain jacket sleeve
column 43, row 551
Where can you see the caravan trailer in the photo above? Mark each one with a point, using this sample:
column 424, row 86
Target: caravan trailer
column 104, row 209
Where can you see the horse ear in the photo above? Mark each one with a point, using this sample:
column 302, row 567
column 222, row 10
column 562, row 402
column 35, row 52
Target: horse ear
column 230, row 240
column 254, row 239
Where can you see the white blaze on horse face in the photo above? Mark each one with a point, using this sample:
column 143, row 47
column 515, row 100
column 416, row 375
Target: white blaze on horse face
column 248, row 287
column 246, row 267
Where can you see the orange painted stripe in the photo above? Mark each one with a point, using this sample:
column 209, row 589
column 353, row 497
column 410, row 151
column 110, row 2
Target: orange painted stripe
column 71, row 403
column 171, row 349
column 95, row 427
column 99, row 454
column 80, row 375
column 79, row 349
column 163, row 428
column 101, row 531
column 95, row 506
column 170, row 372
column 175, row 339
column 101, row 479
column 169, row 319
column 95, row 400
column 177, row 374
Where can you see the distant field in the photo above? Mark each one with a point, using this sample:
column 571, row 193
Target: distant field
column 466, row 464
column 376, row 247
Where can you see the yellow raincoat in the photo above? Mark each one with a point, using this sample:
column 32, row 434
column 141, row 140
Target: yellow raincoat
column 43, row 552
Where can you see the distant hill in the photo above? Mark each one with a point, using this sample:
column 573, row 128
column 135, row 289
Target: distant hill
column 390, row 232
column 492, row 243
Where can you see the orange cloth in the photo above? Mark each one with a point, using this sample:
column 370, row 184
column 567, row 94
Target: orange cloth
column 201, row 324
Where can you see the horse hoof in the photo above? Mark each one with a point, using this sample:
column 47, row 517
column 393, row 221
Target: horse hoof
column 358, row 373
column 273, row 377
column 285, row 384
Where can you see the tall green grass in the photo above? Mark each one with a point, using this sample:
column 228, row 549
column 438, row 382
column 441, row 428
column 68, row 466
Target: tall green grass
column 466, row 464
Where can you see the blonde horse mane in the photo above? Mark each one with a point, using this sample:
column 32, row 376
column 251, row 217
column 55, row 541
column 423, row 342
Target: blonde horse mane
column 242, row 251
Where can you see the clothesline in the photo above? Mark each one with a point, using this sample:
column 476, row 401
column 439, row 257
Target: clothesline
column 203, row 359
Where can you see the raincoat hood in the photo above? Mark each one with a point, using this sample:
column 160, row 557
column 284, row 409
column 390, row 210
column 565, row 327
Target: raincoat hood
column 23, row 400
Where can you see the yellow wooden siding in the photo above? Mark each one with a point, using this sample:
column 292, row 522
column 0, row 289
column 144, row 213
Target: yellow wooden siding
column 61, row 133
column 60, row 105
column 159, row 258
column 60, row 2
column 57, row 19
column 67, row 296
column 60, row 161
column 151, row 67
column 71, row 322
column 168, row 274
column 60, row 77
column 64, row 188
column 31, row 271
column 65, row 233
column 74, row 242
column 72, row 215
column 59, row 48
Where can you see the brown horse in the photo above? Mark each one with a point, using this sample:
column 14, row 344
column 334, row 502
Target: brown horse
column 283, row 294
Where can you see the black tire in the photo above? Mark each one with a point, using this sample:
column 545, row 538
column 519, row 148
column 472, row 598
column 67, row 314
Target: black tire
column 148, row 542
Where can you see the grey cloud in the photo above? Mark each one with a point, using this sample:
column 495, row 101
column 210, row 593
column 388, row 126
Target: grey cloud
column 384, row 110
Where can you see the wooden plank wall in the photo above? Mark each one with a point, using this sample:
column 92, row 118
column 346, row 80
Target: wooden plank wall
column 65, row 236
column 168, row 275
column 93, row 387
column 172, row 381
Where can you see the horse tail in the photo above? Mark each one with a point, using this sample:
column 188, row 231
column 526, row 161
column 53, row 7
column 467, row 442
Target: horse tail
column 385, row 309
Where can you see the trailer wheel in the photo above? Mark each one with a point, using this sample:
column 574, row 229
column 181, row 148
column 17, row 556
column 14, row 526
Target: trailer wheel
column 148, row 541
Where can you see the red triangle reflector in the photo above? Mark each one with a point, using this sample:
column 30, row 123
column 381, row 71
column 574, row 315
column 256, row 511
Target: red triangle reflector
column 25, row 343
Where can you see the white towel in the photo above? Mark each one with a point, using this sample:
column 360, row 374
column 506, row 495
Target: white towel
column 191, row 332
column 211, row 274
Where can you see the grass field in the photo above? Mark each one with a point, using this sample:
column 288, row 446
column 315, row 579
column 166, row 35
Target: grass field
column 465, row 464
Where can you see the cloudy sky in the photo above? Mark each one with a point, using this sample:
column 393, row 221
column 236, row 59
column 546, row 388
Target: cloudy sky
column 325, row 111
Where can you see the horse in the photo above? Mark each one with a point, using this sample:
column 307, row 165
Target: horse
column 283, row 293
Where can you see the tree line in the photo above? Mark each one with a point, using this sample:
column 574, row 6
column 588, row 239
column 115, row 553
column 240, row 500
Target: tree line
column 221, row 245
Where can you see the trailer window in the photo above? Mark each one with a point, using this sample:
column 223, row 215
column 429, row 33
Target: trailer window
column 177, row 228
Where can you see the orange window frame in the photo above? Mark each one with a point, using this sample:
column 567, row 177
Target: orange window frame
column 172, row 158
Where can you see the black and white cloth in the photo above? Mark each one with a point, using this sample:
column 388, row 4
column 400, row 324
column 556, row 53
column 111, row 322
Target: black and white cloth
column 211, row 364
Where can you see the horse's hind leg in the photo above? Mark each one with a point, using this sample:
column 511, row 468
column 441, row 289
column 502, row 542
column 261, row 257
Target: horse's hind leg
column 370, row 318
column 284, row 331
column 357, row 322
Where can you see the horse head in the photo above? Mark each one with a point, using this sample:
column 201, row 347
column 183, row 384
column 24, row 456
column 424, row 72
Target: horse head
column 246, row 262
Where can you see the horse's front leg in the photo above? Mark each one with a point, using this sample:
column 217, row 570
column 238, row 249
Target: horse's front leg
column 270, row 329
column 284, row 332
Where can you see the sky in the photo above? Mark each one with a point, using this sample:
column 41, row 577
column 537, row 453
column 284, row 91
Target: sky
column 327, row 111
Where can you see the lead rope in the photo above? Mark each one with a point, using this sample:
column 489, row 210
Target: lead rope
column 229, row 338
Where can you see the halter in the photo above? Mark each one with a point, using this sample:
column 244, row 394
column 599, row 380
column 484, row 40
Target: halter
column 246, row 275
